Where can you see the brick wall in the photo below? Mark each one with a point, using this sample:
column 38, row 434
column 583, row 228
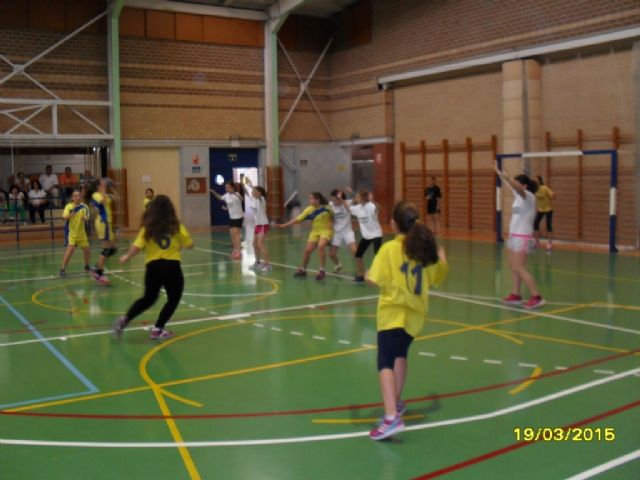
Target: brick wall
column 411, row 34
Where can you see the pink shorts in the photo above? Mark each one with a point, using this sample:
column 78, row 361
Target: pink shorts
column 521, row 243
column 261, row 230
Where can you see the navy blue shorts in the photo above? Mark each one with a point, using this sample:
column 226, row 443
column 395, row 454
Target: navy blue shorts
column 392, row 344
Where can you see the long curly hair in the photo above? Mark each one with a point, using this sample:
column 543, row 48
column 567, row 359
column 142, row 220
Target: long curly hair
column 160, row 219
column 419, row 244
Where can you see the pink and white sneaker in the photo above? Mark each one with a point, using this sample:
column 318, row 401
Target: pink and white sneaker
column 101, row 279
column 159, row 333
column 534, row 302
column 512, row 299
column 387, row 428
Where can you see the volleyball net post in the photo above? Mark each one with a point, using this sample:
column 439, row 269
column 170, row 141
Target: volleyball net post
column 613, row 186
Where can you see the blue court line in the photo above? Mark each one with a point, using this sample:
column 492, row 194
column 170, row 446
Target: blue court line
column 43, row 400
column 85, row 381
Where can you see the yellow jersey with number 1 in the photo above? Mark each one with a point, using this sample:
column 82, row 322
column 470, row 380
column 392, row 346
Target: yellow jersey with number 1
column 404, row 287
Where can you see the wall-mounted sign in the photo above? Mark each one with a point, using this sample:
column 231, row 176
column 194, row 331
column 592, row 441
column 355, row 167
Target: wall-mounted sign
column 196, row 185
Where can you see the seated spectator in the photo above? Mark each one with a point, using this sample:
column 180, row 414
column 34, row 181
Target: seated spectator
column 4, row 207
column 16, row 204
column 49, row 182
column 88, row 179
column 37, row 201
column 68, row 182
column 22, row 182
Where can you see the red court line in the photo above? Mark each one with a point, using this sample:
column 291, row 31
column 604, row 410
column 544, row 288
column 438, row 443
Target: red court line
column 315, row 410
column 517, row 446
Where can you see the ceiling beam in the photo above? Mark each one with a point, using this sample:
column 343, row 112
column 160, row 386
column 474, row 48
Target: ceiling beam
column 168, row 5
column 282, row 8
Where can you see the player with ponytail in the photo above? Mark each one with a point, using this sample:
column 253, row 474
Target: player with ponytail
column 404, row 269
column 521, row 241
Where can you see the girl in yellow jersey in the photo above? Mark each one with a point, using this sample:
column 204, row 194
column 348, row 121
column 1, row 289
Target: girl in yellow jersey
column 148, row 196
column 404, row 269
column 321, row 217
column 102, row 201
column 75, row 214
column 162, row 236
column 544, row 206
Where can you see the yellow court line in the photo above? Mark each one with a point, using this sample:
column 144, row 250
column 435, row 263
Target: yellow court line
column 178, row 398
column 190, row 380
column 271, row 366
column 536, row 373
column 501, row 322
column 348, row 421
column 573, row 343
column 259, row 296
column 616, row 305
column 486, row 330
column 164, row 408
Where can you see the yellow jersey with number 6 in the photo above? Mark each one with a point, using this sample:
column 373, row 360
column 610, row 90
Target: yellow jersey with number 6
column 167, row 249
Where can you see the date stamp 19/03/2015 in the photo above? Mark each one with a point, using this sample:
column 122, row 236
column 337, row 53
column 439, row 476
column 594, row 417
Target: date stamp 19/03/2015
column 564, row 434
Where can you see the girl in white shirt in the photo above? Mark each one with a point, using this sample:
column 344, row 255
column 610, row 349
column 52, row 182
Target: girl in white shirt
column 249, row 215
column 366, row 212
column 342, row 229
column 233, row 204
column 261, row 230
column 521, row 241
column 37, row 201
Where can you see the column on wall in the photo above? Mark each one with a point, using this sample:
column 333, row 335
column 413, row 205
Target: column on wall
column 384, row 179
column 521, row 117
column 521, row 106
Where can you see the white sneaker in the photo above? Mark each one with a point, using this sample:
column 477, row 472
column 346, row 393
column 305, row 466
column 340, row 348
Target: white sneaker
column 256, row 266
column 266, row 268
column 337, row 268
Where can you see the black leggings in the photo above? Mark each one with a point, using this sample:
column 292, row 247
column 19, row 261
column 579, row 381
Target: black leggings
column 364, row 244
column 160, row 273
column 538, row 220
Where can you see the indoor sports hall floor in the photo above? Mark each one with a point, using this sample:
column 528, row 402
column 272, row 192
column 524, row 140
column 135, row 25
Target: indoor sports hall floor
column 271, row 377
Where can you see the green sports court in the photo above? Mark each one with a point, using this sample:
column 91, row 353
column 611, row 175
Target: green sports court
column 271, row 376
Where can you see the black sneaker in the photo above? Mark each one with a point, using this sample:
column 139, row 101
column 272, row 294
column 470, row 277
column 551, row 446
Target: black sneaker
column 62, row 273
column 300, row 273
column 87, row 268
column 358, row 279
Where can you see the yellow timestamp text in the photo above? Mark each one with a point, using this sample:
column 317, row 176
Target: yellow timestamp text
column 565, row 434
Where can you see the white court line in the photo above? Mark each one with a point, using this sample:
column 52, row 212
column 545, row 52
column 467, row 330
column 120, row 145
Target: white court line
column 497, row 299
column 233, row 316
column 528, row 365
column 210, row 295
column 107, row 271
column 611, row 464
column 462, row 298
column 427, row 354
column 492, row 362
column 457, row 357
column 537, row 313
column 321, row 438
column 604, row 372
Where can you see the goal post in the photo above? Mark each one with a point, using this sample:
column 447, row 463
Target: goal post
column 613, row 185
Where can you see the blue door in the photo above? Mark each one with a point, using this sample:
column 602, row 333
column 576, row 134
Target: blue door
column 222, row 162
